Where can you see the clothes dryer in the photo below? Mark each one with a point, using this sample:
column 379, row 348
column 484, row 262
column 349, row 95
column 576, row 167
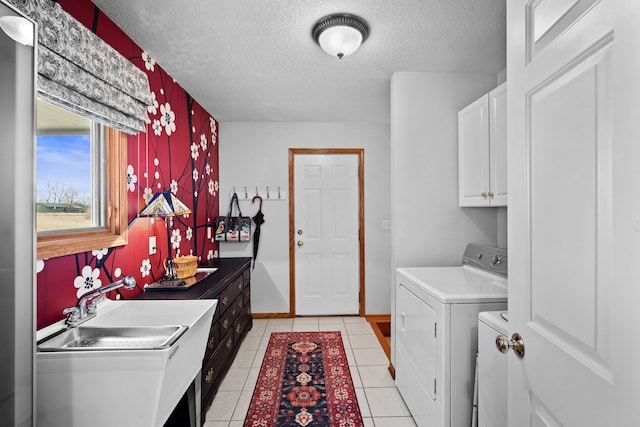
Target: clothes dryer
column 436, row 333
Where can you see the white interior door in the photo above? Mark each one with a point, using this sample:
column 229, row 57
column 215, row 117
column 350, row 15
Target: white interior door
column 569, row 96
column 327, row 259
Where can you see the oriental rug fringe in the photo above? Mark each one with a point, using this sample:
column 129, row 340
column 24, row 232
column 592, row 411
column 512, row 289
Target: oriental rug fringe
column 304, row 381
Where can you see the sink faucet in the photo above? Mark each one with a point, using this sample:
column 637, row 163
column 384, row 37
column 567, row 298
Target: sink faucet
column 82, row 313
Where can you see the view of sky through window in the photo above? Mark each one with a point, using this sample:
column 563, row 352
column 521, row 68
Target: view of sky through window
column 64, row 161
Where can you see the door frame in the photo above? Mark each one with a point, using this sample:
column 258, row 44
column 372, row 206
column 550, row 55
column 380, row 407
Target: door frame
column 292, row 266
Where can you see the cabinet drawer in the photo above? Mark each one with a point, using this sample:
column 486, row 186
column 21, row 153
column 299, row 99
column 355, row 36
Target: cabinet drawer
column 213, row 340
column 229, row 317
column 213, row 367
column 242, row 323
column 227, row 297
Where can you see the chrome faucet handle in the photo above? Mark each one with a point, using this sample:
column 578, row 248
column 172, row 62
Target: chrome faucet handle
column 93, row 307
column 73, row 316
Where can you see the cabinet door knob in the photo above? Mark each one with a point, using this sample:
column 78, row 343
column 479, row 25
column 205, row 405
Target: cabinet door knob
column 484, row 195
column 491, row 194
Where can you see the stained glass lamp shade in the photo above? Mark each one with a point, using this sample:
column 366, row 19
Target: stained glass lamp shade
column 166, row 204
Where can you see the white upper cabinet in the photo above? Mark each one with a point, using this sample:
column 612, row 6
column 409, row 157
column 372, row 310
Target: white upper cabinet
column 482, row 150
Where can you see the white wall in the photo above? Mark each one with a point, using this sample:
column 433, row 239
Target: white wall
column 256, row 154
column 429, row 229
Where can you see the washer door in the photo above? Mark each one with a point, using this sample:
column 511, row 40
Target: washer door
column 417, row 346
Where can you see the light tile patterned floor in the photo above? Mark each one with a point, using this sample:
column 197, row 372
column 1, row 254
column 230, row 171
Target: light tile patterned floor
column 380, row 403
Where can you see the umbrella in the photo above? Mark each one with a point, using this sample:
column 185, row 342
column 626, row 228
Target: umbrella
column 259, row 220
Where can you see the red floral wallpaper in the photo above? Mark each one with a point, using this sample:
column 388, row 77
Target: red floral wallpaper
column 179, row 152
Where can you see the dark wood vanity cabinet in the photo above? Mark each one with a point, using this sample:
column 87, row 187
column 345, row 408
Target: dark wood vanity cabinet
column 230, row 285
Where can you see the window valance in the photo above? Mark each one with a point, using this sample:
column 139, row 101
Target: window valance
column 78, row 71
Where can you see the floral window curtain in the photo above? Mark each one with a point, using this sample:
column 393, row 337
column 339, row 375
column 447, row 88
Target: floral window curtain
column 80, row 72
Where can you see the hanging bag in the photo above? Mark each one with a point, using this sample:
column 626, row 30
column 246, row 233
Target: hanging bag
column 231, row 228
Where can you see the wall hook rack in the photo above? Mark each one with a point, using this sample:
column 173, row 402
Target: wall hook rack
column 266, row 193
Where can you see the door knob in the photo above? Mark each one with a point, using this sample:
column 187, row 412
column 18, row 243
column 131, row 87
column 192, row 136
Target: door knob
column 300, row 243
column 516, row 343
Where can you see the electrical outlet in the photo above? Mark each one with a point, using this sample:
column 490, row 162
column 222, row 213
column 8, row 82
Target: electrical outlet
column 152, row 245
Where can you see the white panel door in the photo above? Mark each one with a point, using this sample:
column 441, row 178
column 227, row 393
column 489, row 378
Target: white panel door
column 327, row 258
column 566, row 109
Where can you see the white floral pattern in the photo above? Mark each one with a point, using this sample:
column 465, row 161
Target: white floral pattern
column 176, row 238
column 153, row 108
column 145, row 268
column 212, row 187
column 157, row 127
column 99, row 253
column 149, row 62
column 147, row 195
column 88, row 281
column 132, row 179
column 195, row 153
column 168, row 118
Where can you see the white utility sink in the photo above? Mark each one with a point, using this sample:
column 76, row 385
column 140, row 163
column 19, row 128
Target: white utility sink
column 126, row 387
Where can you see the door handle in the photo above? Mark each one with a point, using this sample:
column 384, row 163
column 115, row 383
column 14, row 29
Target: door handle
column 300, row 243
column 300, row 232
column 515, row 343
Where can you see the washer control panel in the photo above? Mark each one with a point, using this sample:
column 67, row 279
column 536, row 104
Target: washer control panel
column 487, row 258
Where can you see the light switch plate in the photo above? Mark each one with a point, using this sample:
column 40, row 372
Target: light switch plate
column 152, row 245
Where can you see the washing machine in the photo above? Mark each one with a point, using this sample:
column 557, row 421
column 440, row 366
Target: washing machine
column 436, row 333
column 492, row 370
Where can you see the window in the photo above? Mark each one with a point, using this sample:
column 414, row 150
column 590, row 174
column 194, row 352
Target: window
column 81, row 188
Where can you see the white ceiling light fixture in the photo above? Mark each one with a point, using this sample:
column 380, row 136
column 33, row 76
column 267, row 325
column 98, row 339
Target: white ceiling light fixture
column 18, row 28
column 340, row 34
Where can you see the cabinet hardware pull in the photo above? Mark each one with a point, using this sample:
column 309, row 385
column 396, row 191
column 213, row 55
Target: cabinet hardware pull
column 484, row 195
column 229, row 343
column 209, row 377
column 225, row 300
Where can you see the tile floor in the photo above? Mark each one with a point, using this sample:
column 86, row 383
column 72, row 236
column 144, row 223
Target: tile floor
column 380, row 403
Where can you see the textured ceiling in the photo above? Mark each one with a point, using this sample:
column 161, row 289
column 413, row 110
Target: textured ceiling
column 255, row 60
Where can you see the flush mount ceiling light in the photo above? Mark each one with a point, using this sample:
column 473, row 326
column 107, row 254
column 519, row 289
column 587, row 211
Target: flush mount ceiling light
column 18, row 28
column 340, row 34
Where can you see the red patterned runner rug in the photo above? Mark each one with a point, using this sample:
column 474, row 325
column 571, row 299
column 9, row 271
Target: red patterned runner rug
column 304, row 381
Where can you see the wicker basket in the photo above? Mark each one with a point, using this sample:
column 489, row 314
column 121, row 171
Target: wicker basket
column 186, row 266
